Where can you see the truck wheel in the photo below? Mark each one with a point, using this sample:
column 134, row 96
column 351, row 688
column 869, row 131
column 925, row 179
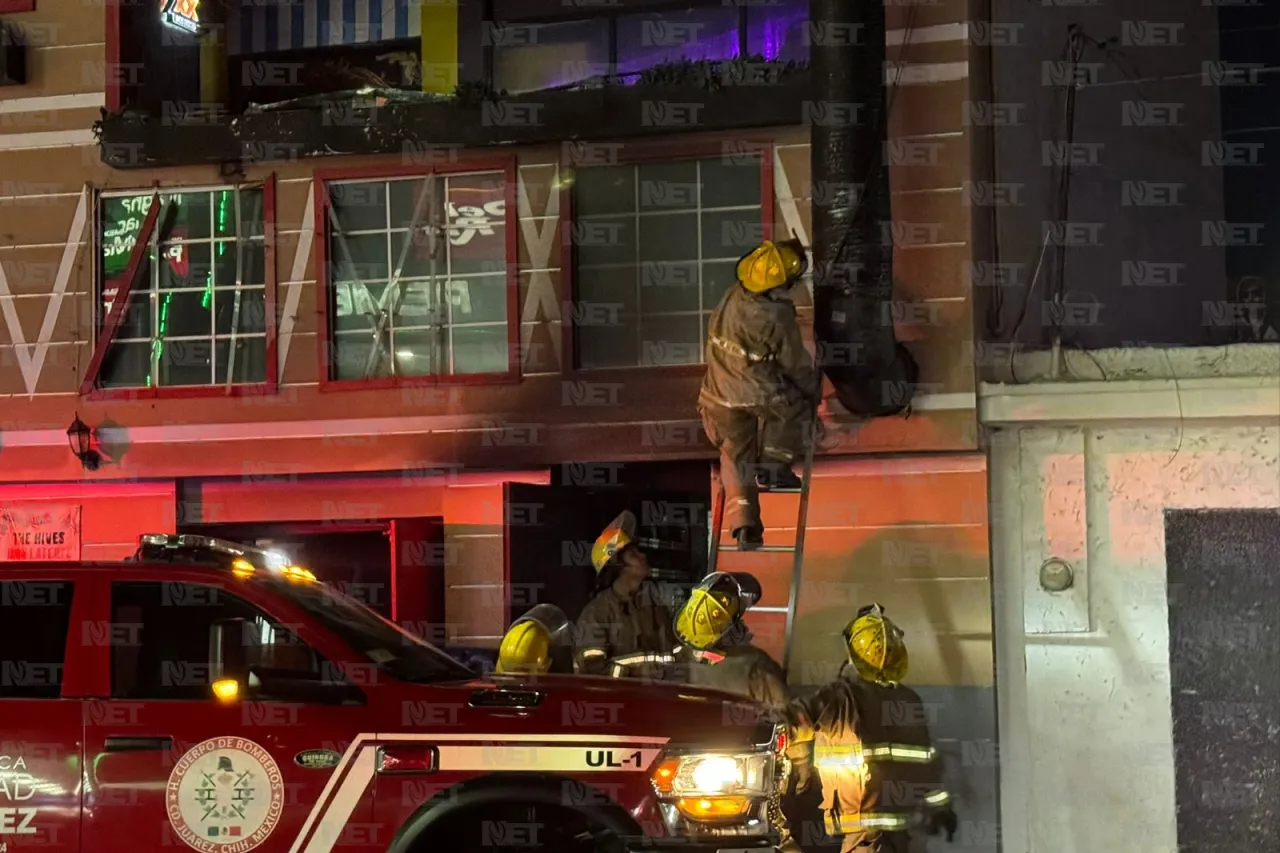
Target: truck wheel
column 519, row 828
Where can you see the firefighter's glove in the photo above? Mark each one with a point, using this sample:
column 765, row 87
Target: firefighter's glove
column 943, row 819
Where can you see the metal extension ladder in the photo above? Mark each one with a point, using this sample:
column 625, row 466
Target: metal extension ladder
column 717, row 532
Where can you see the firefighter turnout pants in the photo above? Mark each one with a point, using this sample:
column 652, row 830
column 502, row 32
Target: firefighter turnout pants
column 750, row 440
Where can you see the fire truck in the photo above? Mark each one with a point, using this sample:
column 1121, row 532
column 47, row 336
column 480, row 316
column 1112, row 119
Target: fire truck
column 217, row 697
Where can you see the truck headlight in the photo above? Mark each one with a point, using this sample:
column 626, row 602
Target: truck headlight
column 716, row 787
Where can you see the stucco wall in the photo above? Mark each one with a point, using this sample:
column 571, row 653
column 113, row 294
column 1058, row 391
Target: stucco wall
column 1083, row 675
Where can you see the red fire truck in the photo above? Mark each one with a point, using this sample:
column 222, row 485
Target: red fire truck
column 211, row 696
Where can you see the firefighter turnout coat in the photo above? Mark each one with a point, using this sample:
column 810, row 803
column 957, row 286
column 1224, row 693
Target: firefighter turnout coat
column 614, row 629
column 871, row 748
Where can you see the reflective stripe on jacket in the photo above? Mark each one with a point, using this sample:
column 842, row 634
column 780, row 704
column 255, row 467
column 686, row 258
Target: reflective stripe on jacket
column 872, row 748
column 755, row 354
column 613, row 625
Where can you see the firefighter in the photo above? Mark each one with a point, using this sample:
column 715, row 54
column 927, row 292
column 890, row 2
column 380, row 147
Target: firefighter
column 717, row 645
column 881, row 777
column 530, row 644
column 760, row 389
column 625, row 630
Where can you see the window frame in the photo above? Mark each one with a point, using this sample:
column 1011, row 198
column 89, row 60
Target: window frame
column 630, row 154
column 325, row 336
column 103, row 337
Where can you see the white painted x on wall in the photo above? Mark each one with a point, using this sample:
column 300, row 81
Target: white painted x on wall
column 31, row 356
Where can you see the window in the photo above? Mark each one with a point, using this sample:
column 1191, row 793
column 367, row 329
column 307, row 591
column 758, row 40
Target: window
column 164, row 633
column 389, row 647
column 197, row 310
column 779, row 30
column 34, row 619
column 544, row 56
column 419, row 277
column 654, row 38
column 655, row 246
column 534, row 56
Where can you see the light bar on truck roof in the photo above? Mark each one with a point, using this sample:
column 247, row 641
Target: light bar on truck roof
column 244, row 559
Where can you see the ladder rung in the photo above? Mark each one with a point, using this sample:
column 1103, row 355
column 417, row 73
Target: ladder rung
column 765, row 549
column 795, row 491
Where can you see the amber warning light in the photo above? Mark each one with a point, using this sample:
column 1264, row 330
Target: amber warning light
column 408, row 759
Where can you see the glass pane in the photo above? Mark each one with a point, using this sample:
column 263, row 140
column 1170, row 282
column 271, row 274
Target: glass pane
column 481, row 349
column 731, row 234
column 250, row 316
column 418, row 352
column 186, row 362
column 224, row 262
column 193, row 219
column 404, row 200
column 668, row 186
column 360, row 258
column 612, row 290
column 729, row 183
column 185, row 265
column 604, row 240
column 669, row 287
column 477, row 216
column 417, row 262
column 778, row 31
column 612, row 345
column 604, row 189
column 717, row 277
column 359, row 206
column 418, row 305
column 251, row 361
column 669, row 237
column 224, row 213
column 121, row 221
column 126, row 365
column 529, row 57
column 650, row 39
column 136, row 322
column 671, row 340
column 478, row 299
column 356, row 305
column 350, row 353
column 186, row 313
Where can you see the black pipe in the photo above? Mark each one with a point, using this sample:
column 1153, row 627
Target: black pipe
column 872, row 372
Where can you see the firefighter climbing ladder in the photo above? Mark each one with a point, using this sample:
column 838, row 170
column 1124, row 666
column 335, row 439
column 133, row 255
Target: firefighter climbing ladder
column 717, row 533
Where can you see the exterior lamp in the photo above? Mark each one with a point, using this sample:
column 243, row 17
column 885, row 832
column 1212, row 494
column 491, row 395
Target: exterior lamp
column 80, row 436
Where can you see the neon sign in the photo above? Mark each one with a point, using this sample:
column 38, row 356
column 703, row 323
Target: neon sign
column 182, row 14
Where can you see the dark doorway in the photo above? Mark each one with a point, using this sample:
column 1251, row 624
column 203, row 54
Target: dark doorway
column 550, row 529
column 355, row 559
column 1224, row 659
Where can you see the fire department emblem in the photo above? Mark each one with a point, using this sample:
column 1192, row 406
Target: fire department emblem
column 225, row 791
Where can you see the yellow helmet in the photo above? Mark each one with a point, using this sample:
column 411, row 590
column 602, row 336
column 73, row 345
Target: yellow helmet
column 618, row 535
column 713, row 606
column 876, row 646
column 526, row 647
column 772, row 265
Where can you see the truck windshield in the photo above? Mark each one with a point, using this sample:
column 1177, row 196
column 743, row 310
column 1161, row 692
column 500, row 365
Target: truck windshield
column 388, row 646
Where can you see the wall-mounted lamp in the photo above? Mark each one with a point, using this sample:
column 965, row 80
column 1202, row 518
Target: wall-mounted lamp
column 80, row 437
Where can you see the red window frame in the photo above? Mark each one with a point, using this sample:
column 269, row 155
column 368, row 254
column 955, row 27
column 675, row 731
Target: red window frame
column 16, row 7
column 630, row 154
column 103, row 340
column 507, row 166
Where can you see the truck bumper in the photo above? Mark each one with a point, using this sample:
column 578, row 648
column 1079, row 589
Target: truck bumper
column 727, row 845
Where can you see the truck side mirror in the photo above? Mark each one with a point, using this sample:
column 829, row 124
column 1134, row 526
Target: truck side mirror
column 228, row 657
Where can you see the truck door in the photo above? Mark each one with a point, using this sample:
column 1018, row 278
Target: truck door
column 40, row 731
column 171, row 765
